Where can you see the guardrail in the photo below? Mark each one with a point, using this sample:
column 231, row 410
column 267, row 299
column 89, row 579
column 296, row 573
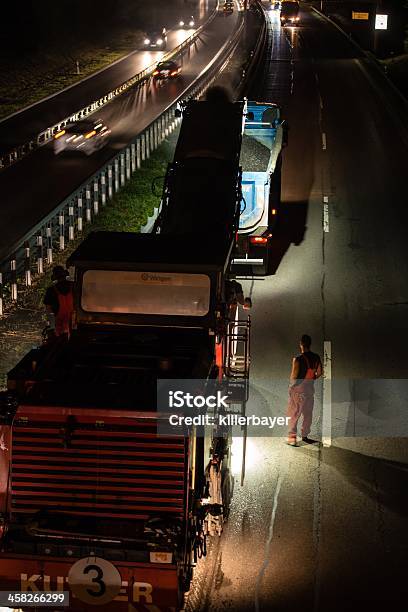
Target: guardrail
column 34, row 251
column 16, row 154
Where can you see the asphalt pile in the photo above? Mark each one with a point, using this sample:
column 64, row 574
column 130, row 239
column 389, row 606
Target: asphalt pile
column 254, row 155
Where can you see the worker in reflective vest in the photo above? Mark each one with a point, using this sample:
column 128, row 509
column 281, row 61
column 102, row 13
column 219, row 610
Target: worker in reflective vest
column 306, row 368
column 59, row 303
column 234, row 296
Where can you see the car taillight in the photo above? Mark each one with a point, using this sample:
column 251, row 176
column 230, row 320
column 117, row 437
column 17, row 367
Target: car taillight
column 155, row 73
column 258, row 240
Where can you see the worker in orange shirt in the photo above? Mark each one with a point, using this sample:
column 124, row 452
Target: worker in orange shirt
column 59, row 303
column 306, row 368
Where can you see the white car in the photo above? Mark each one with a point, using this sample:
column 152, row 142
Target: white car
column 84, row 137
column 156, row 40
column 187, row 23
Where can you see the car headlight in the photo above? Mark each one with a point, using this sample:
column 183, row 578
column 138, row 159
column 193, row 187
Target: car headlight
column 181, row 23
column 191, row 24
column 159, row 41
column 147, row 41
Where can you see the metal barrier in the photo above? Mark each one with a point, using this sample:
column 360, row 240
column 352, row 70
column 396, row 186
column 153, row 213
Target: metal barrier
column 46, row 135
column 54, row 232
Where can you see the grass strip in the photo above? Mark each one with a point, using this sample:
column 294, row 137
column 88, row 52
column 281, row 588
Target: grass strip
column 25, row 82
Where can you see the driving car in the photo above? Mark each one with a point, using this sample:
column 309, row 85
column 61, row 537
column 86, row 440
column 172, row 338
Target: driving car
column 155, row 39
column 83, row 137
column 187, row 23
column 228, row 8
column 289, row 13
column 167, row 70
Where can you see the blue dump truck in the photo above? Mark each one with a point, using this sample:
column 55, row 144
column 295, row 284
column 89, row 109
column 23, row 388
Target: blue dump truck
column 264, row 137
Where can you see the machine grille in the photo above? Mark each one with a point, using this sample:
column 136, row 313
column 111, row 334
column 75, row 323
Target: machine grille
column 97, row 468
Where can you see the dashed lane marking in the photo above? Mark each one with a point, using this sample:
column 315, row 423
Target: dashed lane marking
column 325, row 214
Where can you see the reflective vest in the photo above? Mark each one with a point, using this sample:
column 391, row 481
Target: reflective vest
column 63, row 318
column 310, row 372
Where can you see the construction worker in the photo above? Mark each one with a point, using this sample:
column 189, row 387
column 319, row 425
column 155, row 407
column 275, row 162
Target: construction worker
column 59, row 304
column 306, row 368
column 234, row 295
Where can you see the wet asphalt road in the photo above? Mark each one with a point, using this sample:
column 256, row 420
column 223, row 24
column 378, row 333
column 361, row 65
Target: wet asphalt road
column 318, row 528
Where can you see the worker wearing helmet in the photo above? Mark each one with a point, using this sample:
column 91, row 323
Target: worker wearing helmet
column 306, row 368
column 59, row 303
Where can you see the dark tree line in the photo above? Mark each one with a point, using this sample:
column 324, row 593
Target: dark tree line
column 29, row 25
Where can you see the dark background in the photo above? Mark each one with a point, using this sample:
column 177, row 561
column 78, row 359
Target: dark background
column 29, row 26
column 382, row 43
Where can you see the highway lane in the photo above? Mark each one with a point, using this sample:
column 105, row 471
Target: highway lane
column 323, row 528
column 33, row 187
column 24, row 126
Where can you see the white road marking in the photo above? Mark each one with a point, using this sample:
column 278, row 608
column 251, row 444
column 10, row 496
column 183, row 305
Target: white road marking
column 269, row 541
column 316, row 77
column 320, row 102
column 324, row 142
column 327, row 395
column 317, row 520
column 325, row 214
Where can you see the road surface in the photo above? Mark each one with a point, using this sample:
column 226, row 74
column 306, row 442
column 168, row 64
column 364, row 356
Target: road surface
column 318, row 528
